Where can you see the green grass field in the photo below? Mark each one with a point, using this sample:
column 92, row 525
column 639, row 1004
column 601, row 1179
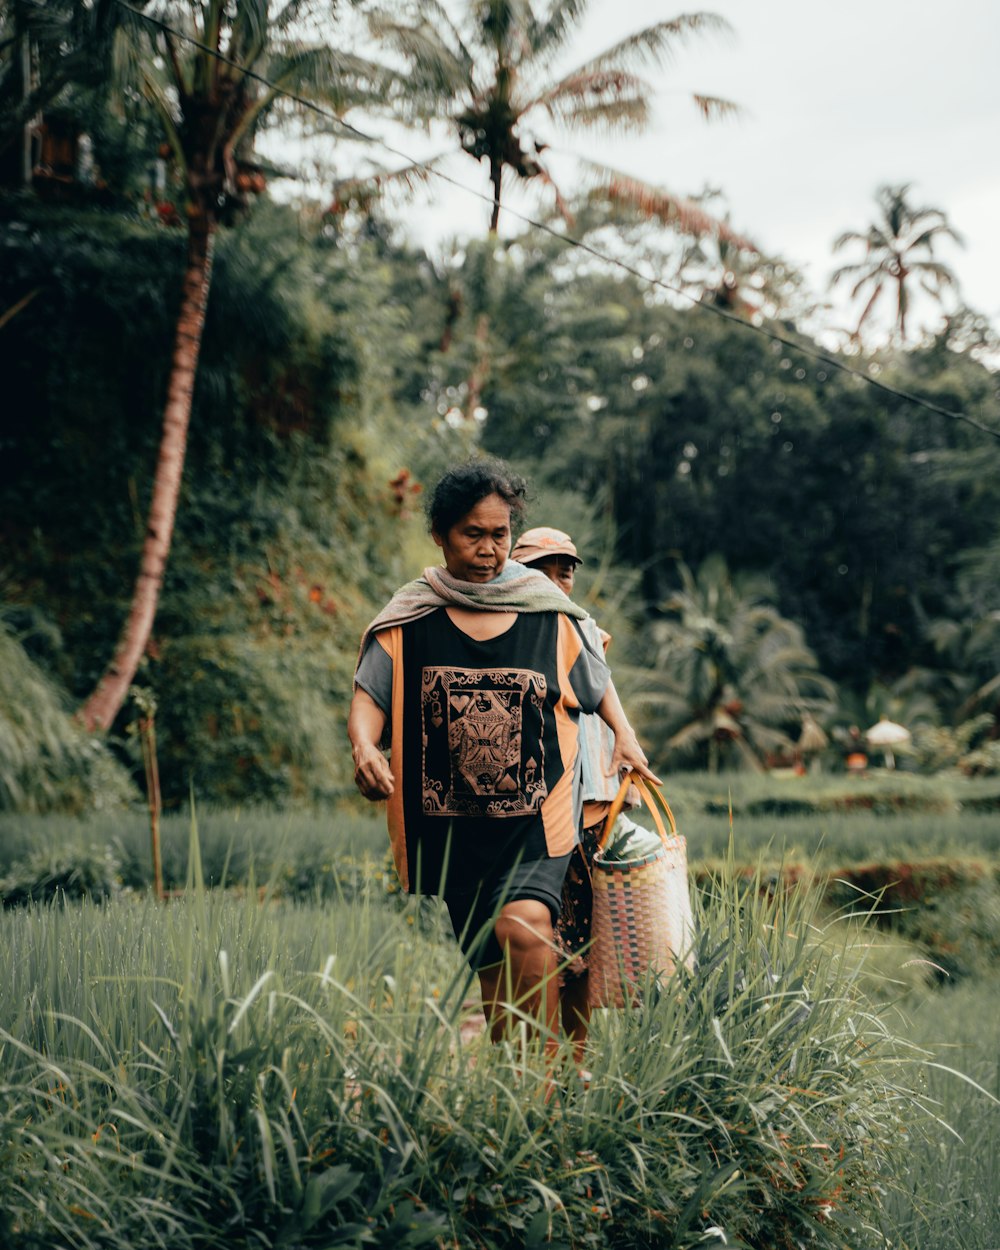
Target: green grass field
column 301, row 1072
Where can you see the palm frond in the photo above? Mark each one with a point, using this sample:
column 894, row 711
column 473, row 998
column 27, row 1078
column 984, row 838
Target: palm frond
column 927, row 238
column 678, row 212
column 879, row 288
column 610, row 98
column 213, row 13
column 292, row 14
column 549, row 36
column 851, row 271
column 435, row 13
column 691, row 734
column 939, row 273
column 248, row 35
column 656, row 44
column 165, row 106
column 362, row 191
column 129, row 57
column 317, row 73
column 562, row 205
column 849, row 236
column 713, row 108
column 792, row 658
column 433, row 66
column 749, row 755
column 327, row 75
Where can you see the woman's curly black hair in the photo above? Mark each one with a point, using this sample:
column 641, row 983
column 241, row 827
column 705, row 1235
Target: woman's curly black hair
column 464, row 485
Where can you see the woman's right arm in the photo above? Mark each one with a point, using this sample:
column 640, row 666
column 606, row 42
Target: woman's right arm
column 365, row 725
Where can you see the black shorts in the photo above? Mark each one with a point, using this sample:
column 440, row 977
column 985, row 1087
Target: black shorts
column 473, row 909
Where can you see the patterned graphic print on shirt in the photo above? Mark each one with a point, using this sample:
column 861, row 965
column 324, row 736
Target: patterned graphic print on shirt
column 483, row 739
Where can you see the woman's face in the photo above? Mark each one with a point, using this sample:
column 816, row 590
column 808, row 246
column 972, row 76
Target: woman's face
column 476, row 547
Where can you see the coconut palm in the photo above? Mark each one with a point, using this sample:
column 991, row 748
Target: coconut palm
column 490, row 72
column 210, row 108
column 899, row 254
column 731, row 676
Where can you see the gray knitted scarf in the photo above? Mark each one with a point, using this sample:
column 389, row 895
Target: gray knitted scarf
column 517, row 589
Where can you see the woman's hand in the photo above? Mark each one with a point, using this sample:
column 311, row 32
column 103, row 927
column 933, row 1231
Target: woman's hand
column 365, row 726
column 372, row 774
column 628, row 755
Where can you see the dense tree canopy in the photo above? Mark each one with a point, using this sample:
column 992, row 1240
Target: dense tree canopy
column 658, row 435
column 342, row 368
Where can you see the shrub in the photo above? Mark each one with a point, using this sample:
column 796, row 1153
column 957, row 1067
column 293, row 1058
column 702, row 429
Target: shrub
column 47, row 875
column 47, row 762
column 950, row 908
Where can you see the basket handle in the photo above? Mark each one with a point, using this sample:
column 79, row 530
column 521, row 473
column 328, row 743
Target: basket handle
column 647, row 791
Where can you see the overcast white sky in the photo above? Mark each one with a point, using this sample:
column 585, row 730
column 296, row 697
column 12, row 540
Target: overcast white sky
column 838, row 99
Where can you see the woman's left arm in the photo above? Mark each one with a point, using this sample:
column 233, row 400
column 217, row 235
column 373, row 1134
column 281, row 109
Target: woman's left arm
column 628, row 753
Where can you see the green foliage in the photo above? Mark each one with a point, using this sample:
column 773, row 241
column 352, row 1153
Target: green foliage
column 47, row 762
column 322, row 376
column 967, row 747
column 948, row 907
column 289, row 535
column 898, row 253
column 60, row 873
column 710, row 439
column 729, row 674
column 67, row 45
column 216, row 1072
column 487, row 70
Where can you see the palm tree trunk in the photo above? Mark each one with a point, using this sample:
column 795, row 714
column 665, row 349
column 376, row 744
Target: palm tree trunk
column 496, row 178
column 480, row 367
column 102, row 706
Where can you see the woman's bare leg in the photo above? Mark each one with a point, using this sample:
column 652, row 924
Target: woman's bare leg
column 524, row 931
column 574, row 1001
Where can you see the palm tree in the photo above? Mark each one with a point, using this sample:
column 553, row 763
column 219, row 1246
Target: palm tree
column 730, row 674
column 899, row 251
column 210, row 107
column 490, row 72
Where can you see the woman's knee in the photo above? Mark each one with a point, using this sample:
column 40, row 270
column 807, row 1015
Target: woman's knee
column 524, row 925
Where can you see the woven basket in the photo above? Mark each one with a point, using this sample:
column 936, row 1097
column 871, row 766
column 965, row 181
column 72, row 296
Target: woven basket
column 642, row 920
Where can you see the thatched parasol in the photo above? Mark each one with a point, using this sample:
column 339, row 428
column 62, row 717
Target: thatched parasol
column 887, row 734
column 812, row 738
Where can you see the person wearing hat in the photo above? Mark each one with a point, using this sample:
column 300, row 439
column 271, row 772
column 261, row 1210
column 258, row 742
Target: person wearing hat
column 554, row 553
column 550, row 551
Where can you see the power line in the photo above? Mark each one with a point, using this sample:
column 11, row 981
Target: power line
column 570, row 241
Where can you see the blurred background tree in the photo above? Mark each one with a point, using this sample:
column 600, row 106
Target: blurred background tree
column 50, row 54
column 898, row 256
column 732, row 679
column 490, row 73
column 207, row 92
